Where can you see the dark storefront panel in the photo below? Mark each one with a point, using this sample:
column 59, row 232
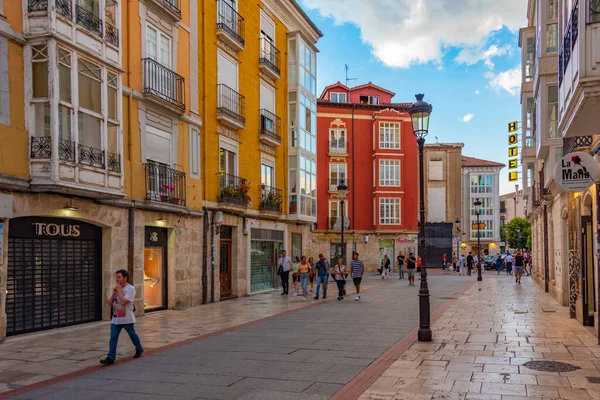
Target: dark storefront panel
column 54, row 275
column 438, row 240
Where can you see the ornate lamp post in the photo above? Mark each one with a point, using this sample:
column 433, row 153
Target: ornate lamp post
column 342, row 190
column 477, row 205
column 458, row 238
column 419, row 115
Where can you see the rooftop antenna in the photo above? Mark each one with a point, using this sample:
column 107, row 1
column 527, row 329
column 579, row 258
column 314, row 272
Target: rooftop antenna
column 348, row 79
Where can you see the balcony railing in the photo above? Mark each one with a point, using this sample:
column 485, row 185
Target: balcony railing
column 163, row 83
column 568, row 43
column 66, row 150
column 270, row 56
column 164, row 184
column 88, row 20
column 91, row 156
column 112, row 35
column 338, row 146
column 65, row 8
column 234, row 189
column 172, row 5
column 114, row 162
column 270, row 198
column 231, row 103
column 270, row 125
column 333, row 183
column 41, row 147
column 37, row 5
column 230, row 21
column 503, row 210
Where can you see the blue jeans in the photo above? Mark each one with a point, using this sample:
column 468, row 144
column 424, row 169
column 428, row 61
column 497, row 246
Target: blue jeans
column 323, row 280
column 115, row 331
column 304, row 284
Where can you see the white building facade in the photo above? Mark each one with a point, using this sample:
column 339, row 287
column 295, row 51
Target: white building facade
column 481, row 181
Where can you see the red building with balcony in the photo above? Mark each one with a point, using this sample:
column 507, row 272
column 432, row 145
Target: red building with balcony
column 366, row 140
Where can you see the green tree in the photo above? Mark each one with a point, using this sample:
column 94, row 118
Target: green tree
column 518, row 233
column 503, row 233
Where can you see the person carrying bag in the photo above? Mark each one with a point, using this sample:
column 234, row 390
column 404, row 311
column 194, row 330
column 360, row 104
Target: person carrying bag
column 339, row 276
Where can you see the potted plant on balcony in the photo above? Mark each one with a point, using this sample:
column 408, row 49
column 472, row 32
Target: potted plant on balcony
column 272, row 200
column 241, row 192
column 167, row 193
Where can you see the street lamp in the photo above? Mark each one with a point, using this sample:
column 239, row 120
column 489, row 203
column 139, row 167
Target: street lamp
column 419, row 115
column 477, row 205
column 342, row 190
column 458, row 237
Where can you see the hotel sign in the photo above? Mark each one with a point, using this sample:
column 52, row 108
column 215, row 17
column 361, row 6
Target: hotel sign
column 576, row 172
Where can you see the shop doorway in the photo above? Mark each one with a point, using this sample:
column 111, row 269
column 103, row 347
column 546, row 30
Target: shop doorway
column 225, row 262
column 588, row 293
column 155, row 268
column 265, row 247
column 54, row 274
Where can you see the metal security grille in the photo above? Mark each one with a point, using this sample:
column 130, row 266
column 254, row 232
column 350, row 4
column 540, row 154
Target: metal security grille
column 52, row 283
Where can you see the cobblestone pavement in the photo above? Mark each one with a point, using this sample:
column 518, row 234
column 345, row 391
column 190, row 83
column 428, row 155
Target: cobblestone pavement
column 483, row 342
column 309, row 353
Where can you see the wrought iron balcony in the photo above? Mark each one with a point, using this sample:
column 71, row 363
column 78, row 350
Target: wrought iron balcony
column 164, row 184
column 231, row 106
column 41, row 147
column 173, row 6
column 234, row 189
column 333, row 183
column 37, row 5
column 114, row 162
column 569, row 40
column 270, row 198
column 270, row 58
column 112, row 34
column 594, row 11
column 66, row 150
column 230, row 25
column 88, row 20
column 65, row 8
column 270, row 128
column 163, row 84
column 338, row 146
column 91, row 156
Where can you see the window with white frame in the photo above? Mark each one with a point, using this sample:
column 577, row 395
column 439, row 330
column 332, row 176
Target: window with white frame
column 337, row 140
column 308, row 67
column 552, row 27
column 486, row 232
column 481, row 184
column 308, row 124
column 530, row 59
column 368, row 100
column 337, row 97
column 90, row 104
column 40, row 98
column 487, row 207
column 529, row 138
column 308, row 186
column 195, row 152
column 337, row 175
column 158, row 46
column 335, row 212
column 389, row 211
column 389, row 172
column 267, row 174
column 553, row 131
column 389, row 135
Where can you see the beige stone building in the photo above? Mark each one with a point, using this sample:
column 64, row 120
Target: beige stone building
column 512, row 205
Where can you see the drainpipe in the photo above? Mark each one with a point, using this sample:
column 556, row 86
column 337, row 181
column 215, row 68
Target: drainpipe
column 354, row 178
column 131, row 219
column 204, row 262
column 205, row 227
column 212, row 261
column 130, row 240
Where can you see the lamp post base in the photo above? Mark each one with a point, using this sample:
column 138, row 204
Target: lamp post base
column 425, row 335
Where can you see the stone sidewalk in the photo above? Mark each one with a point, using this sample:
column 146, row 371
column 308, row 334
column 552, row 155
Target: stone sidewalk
column 32, row 358
column 309, row 353
column 482, row 345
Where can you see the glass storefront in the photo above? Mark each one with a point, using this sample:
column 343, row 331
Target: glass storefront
column 265, row 247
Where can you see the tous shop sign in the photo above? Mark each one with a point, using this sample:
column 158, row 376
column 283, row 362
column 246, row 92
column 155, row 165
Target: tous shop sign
column 576, row 172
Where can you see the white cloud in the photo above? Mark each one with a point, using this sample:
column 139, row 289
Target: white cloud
column 406, row 32
column 508, row 80
column 472, row 56
column 477, row 92
column 467, row 117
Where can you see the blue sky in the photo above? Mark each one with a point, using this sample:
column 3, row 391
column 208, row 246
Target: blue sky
column 471, row 81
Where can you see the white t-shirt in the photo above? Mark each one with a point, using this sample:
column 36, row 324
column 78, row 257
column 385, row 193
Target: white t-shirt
column 339, row 271
column 123, row 314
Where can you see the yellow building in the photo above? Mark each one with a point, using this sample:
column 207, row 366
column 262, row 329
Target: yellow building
column 258, row 93
column 101, row 171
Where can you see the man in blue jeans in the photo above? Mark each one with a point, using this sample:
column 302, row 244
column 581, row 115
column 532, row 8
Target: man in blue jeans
column 121, row 303
column 322, row 275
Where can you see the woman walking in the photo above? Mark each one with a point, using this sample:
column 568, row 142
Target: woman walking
column 339, row 274
column 303, row 270
column 519, row 264
column 296, row 275
column 312, row 273
column 499, row 263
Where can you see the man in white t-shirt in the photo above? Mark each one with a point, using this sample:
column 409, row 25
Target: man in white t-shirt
column 123, row 317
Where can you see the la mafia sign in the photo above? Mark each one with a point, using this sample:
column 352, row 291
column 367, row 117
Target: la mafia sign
column 576, row 172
